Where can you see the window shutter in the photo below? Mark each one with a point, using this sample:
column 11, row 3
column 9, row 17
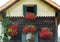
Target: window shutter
column 35, row 9
column 23, row 37
column 36, row 37
column 24, row 9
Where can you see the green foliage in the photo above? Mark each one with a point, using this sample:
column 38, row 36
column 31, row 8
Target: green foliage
column 5, row 38
column 6, row 22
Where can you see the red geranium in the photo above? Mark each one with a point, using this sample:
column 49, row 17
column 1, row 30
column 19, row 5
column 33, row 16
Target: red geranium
column 30, row 16
column 50, row 35
column 45, row 34
column 14, row 33
column 13, row 27
column 26, row 29
column 33, row 29
column 12, row 30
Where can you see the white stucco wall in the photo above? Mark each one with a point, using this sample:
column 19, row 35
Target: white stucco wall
column 42, row 8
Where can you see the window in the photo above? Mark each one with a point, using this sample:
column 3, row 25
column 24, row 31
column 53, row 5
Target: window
column 24, row 37
column 31, row 8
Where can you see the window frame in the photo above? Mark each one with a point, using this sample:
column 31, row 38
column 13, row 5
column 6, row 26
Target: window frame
column 24, row 8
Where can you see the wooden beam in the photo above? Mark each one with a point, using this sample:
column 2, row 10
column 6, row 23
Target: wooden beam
column 7, row 4
column 53, row 4
column 1, row 17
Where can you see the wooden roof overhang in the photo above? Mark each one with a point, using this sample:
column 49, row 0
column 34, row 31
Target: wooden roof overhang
column 8, row 4
column 12, row 2
column 52, row 4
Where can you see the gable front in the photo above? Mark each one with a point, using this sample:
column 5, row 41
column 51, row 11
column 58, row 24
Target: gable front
column 42, row 8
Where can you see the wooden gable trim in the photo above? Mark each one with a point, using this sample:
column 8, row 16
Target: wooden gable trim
column 53, row 4
column 8, row 4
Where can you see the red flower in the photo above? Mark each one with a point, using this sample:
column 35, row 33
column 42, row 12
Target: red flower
column 13, row 30
column 45, row 34
column 30, row 16
column 14, row 33
column 26, row 29
column 13, row 27
column 29, row 28
column 50, row 35
column 33, row 29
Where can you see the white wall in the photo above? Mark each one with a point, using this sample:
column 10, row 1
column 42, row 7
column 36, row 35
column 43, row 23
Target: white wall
column 42, row 8
column 1, row 30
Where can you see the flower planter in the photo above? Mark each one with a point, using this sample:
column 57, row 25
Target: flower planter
column 30, row 16
column 12, row 30
column 45, row 33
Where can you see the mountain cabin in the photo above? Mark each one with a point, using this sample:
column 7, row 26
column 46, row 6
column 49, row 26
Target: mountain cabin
column 29, row 21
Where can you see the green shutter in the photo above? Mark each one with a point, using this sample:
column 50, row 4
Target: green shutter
column 23, row 37
column 35, row 9
column 36, row 37
column 24, row 9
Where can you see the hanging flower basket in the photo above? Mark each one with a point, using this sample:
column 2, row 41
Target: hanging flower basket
column 45, row 33
column 26, row 29
column 30, row 16
column 30, row 28
column 33, row 29
column 12, row 30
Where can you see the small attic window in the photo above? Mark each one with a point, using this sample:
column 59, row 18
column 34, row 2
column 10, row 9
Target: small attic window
column 30, row 8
